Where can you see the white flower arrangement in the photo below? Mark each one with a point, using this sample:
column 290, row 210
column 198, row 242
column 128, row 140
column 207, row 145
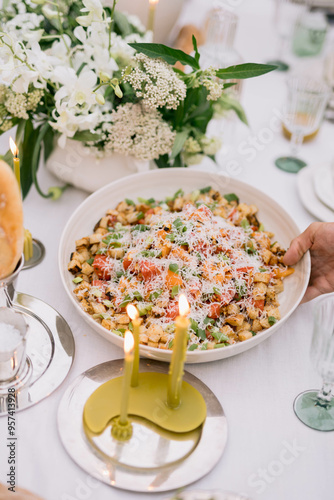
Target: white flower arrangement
column 76, row 69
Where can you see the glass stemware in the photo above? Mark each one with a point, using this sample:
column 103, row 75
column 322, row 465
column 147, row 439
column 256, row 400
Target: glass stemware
column 316, row 408
column 286, row 14
column 302, row 115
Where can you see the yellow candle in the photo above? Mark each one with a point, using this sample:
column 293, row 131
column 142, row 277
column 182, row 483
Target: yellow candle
column 16, row 160
column 134, row 316
column 175, row 374
column 151, row 14
column 128, row 362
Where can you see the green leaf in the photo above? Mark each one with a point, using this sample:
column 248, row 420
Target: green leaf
column 228, row 102
column 123, row 24
column 140, row 215
column 192, row 347
column 137, row 295
column 205, row 190
column 174, row 268
column 220, row 336
column 194, row 325
column 26, row 154
column 129, row 202
column 271, row 320
column 171, row 56
column 126, row 300
column 141, row 227
column 155, row 295
column 175, row 291
column 86, row 136
column 48, row 143
column 197, row 55
column 201, row 334
column 243, row 71
column 231, row 197
column 77, row 280
column 245, row 224
column 179, row 141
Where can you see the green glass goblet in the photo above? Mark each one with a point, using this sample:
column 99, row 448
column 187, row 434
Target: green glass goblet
column 316, row 408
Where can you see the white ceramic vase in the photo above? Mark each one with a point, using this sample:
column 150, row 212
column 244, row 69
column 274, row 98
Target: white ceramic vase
column 76, row 165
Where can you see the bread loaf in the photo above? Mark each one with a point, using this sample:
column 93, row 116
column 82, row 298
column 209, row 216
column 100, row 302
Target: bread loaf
column 11, row 221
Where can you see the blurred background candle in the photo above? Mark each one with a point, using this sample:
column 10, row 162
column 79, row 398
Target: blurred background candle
column 134, row 316
column 179, row 353
column 165, row 17
column 151, row 14
column 16, row 160
column 128, row 363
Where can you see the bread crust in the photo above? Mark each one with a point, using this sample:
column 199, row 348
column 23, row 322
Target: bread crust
column 11, row 221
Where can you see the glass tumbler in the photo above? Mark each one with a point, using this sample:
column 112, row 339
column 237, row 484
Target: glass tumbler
column 316, row 408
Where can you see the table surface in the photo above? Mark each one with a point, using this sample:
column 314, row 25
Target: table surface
column 269, row 453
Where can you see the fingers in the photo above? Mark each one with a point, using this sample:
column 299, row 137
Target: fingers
column 300, row 245
column 311, row 293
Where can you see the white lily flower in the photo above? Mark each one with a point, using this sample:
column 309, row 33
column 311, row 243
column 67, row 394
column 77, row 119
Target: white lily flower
column 76, row 90
column 95, row 12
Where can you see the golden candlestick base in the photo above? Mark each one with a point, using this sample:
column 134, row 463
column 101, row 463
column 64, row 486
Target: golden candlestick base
column 121, row 432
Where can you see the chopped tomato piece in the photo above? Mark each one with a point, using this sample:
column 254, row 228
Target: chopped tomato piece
column 214, row 310
column 141, row 221
column 203, row 214
column 208, row 335
column 99, row 283
column 194, row 289
column 150, row 211
column 126, row 263
column 259, row 304
column 225, row 298
column 204, row 248
column 172, row 310
column 245, row 269
column 112, row 219
column 173, row 279
column 103, row 266
column 149, row 270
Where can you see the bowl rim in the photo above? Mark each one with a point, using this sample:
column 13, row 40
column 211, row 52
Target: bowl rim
column 191, row 355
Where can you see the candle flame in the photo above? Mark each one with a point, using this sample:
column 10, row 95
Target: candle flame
column 132, row 311
column 128, row 342
column 183, row 305
column 153, row 2
column 14, row 149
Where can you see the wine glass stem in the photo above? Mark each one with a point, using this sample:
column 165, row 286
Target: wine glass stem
column 296, row 141
column 325, row 394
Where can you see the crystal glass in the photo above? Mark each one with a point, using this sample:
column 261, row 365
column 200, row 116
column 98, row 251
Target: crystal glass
column 13, row 330
column 316, row 408
column 286, row 14
column 218, row 50
column 329, row 74
column 302, row 115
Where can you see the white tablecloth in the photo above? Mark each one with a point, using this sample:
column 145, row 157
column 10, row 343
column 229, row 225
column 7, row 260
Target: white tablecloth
column 269, row 453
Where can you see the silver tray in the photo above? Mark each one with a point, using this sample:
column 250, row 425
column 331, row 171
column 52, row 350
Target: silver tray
column 50, row 353
column 150, row 461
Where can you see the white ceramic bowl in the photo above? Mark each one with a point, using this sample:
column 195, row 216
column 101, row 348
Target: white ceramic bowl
column 165, row 182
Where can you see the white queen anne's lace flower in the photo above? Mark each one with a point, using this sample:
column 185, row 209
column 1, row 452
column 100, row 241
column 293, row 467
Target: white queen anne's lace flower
column 139, row 133
column 156, row 83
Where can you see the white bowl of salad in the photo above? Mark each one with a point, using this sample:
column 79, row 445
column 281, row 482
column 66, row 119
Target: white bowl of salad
column 149, row 237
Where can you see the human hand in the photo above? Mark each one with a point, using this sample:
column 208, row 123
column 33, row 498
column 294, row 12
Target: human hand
column 319, row 239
